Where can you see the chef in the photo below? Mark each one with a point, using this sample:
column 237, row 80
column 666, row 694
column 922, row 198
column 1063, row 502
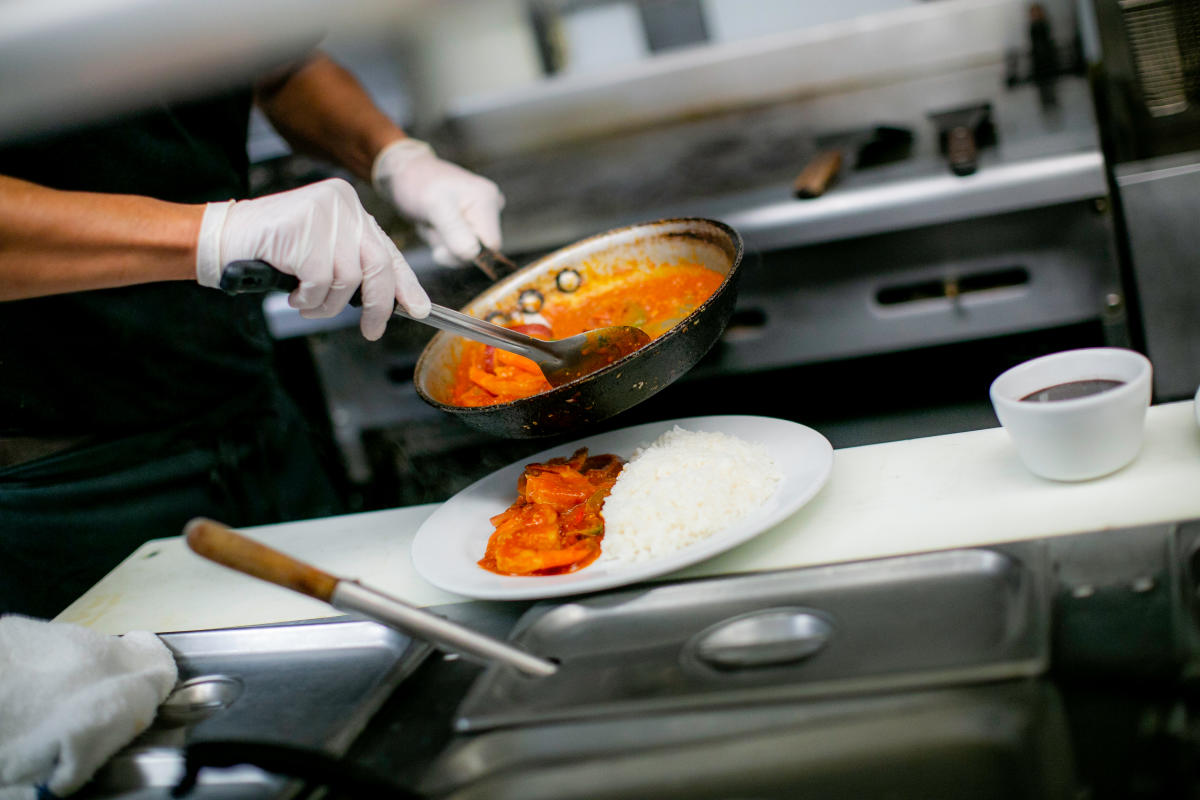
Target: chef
column 134, row 394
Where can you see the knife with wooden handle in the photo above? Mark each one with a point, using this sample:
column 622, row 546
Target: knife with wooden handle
column 225, row 546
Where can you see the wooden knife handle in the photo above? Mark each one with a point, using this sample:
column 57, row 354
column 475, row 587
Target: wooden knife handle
column 223, row 545
column 818, row 174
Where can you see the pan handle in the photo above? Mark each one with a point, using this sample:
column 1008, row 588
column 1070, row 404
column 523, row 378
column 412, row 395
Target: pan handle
column 225, row 546
column 258, row 277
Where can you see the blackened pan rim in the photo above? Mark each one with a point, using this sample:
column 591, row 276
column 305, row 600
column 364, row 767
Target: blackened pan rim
column 541, row 396
column 731, row 235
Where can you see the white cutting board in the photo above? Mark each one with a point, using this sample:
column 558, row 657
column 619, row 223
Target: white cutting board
column 886, row 499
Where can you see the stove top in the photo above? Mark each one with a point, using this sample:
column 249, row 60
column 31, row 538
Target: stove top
column 734, row 163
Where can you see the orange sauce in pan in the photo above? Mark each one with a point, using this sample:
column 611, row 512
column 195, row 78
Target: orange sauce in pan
column 654, row 300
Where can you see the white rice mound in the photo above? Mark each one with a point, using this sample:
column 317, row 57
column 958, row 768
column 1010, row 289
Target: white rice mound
column 682, row 489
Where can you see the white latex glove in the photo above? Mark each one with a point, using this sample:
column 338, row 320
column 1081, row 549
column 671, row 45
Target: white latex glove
column 454, row 209
column 321, row 234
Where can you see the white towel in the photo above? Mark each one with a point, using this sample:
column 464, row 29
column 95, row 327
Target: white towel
column 70, row 698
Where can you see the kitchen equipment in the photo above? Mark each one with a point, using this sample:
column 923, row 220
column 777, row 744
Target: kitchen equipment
column 961, row 134
column 1144, row 67
column 1104, row 624
column 1077, row 414
column 561, row 360
column 808, row 633
column 1147, row 76
column 990, row 741
column 624, row 372
column 1033, row 231
column 253, row 684
column 873, row 146
column 817, row 174
column 624, row 383
column 680, row 683
column 225, row 546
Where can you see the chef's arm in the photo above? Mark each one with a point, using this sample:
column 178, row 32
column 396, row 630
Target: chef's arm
column 322, row 110
column 54, row 241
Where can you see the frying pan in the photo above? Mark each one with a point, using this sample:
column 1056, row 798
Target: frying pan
column 624, row 383
column 518, row 296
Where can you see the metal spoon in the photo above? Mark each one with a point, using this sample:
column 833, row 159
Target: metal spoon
column 561, row 360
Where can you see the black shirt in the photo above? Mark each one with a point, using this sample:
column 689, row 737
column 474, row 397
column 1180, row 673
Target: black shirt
column 122, row 361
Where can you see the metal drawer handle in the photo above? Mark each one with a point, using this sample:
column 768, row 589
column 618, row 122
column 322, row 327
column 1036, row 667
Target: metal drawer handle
column 763, row 638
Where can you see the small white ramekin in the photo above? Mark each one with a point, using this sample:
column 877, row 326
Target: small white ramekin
column 1084, row 437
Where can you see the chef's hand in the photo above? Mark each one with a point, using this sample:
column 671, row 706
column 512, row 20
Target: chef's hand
column 454, row 210
column 322, row 235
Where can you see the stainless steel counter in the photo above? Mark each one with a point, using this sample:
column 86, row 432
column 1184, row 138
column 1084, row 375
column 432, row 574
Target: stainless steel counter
column 1069, row 673
column 1123, row 604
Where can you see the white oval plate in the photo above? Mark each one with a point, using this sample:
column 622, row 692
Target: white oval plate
column 453, row 538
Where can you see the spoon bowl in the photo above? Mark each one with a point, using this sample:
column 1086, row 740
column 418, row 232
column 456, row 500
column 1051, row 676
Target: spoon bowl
column 561, row 360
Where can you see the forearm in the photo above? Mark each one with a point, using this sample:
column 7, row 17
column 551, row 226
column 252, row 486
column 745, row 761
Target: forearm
column 53, row 242
column 321, row 109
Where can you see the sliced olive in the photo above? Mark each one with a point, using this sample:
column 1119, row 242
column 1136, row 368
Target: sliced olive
column 568, row 280
column 530, row 301
column 496, row 318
